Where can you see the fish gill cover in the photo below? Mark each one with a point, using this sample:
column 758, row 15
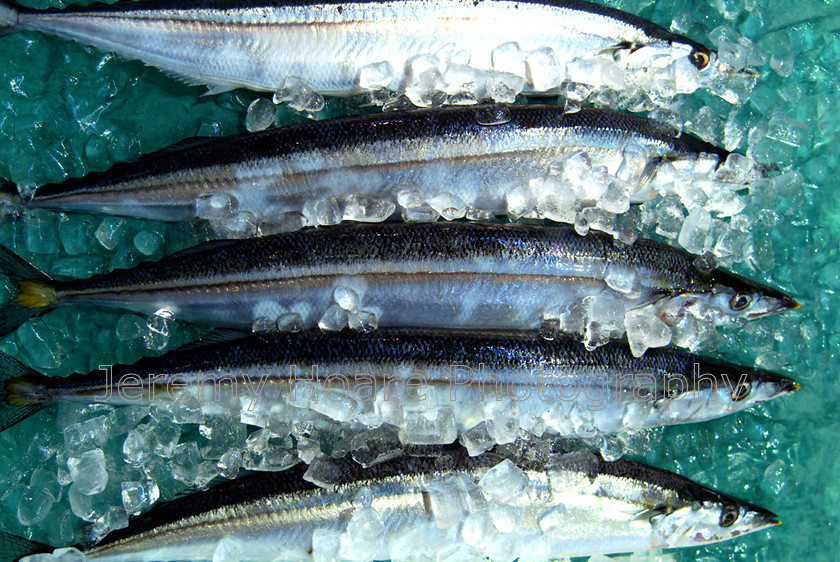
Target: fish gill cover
column 66, row 109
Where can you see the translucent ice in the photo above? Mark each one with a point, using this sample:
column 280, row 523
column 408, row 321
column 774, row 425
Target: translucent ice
column 86, row 435
column 34, row 506
column 645, row 330
column 138, row 496
column 694, row 230
column 362, row 540
column 88, row 472
column 260, row 115
column 376, row 76
column 299, row 96
column 216, row 206
column 184, row 463
column 158, row 327
column 429, row 427
column 366, row 209
column 504, row 481
column 334, row 319
column 448, row 206
column 110, row 231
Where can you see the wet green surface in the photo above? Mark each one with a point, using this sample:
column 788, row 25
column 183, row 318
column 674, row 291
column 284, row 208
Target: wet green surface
column 66, row 109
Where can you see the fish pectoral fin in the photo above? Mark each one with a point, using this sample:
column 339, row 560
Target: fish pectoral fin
column 219, row 89
column 653, row 299
column 613, row 50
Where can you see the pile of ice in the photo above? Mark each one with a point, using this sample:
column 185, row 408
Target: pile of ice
column 645, row 78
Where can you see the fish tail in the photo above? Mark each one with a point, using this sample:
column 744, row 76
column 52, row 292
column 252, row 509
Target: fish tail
column 34, row 291
column 14, row 547
column 24, row 391
column 8, row 18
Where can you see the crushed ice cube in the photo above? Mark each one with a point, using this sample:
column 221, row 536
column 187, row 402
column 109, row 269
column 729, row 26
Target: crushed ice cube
column 260, row 116
column 299, row 96
column 376, row 76
column 645, row 330
column 504, row 481
column 88, row 472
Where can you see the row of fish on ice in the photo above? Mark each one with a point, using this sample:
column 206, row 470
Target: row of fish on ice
column 468, row 290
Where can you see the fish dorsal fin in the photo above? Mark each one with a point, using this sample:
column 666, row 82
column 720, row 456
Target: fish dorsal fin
column 186, row 144
column 212, row 245
column 215, row 337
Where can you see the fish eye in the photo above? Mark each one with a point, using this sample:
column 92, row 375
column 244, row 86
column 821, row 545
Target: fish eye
column 740, row 392
column 740, row 301
column 699, row 58
column 728, row 516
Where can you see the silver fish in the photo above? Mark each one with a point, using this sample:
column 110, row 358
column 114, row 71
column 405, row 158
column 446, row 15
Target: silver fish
column 536, row 505
column 398, row 159
column 440, row 275
column 394, row 376
column 260, row 44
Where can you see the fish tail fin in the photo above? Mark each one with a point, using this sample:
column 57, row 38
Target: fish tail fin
column 24, row 391
column 14, row 547
column 34, row 291
column 8, row 18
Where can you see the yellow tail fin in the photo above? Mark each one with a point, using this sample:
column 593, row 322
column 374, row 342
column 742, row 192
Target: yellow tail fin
column 35, row 294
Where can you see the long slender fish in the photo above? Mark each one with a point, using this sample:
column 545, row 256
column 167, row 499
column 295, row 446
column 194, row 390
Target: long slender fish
column 439, row 275
column 258, row 44
column 476, row 154
column 460, row 378
column 499, row 504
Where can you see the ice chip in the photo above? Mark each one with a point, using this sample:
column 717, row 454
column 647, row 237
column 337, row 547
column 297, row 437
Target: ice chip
column 346, row 298
column 520, row 202
column 376, row 76
column 87, row 435
column 138, row 444
column 147, row 242
column 366, row 209
column 429, row 427
column 504, row 481
column 363, row 538
column 362, row 321
column 324, row 472
column 260, row 115
column 695, row 230
column 110, row 231
column 158, row 326
column 299, row 96
column 184, row 463
column 328, row 212
column 334, row 319
column 34, row 506
column 448, row 206
column 476, row 440
column 138, row 496
column 645, row 330
column 544, row 72
column 423, row 213
column 290, row 322
column 502, row 419
column 241, row 225
column 214, row 206
column 508, row 57
column 503, row 87
column 88, row 472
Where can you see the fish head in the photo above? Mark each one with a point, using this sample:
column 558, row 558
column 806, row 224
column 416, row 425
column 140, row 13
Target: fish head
column 709, row 520
column 721, row 296
column 719, row 389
